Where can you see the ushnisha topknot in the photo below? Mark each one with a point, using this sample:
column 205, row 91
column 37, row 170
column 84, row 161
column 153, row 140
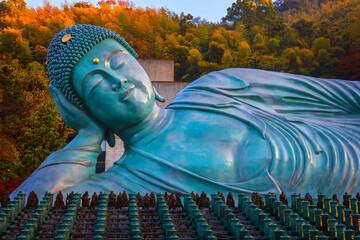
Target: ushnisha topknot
column 66, row 49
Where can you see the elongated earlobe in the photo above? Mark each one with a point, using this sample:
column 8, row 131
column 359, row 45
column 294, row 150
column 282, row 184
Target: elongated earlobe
column 158, row 96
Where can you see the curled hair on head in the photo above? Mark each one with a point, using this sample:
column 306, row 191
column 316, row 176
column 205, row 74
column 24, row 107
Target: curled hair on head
column 67, row 48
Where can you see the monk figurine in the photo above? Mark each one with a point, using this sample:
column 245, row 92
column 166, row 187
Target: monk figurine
column 85, row 200
column 94, row 201
column 59, row 201
column 234, row 130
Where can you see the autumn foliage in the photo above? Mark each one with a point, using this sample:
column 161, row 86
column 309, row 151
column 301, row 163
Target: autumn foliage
column 316, row 37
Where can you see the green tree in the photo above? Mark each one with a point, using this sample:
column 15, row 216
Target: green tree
column 327, row 64
column 193, row 59
column 227, row 59
column 320, row 43
column 29, row 118
column 13, row 44
column 273, row 45
column 259, row 43
column 293, row 61
column 244, row 50
column 250, row 12
column 216, row 52
column 275, row 26
column 305, row 28
column 271, row 63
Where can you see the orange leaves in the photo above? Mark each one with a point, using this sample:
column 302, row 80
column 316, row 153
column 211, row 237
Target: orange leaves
column 143, row 48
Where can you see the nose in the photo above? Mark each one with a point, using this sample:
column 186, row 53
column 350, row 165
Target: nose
column 120, row 82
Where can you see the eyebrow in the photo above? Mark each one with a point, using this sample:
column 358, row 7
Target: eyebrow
column 107, row 61
column 87, row 77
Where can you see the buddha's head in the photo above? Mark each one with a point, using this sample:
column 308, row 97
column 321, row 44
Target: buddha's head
column 97, row 71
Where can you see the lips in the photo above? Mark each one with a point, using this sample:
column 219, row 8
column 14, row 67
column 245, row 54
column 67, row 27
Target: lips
column 127, row 93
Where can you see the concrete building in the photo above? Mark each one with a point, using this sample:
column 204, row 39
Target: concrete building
column 161, row 74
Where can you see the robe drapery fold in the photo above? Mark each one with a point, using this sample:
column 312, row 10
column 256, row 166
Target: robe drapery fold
column 312, row 124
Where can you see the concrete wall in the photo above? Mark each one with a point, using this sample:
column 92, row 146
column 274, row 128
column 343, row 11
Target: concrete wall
column 167, row 90
column 158, row 70
column 113, row 154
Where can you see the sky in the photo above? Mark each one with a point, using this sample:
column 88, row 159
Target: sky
column 211, row 10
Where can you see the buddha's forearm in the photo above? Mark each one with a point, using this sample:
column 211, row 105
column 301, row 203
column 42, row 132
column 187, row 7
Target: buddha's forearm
column 86, row 139
column 62, row 169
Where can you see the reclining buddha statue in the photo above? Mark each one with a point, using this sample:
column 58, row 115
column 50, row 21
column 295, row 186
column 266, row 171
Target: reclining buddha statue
column 235, row 130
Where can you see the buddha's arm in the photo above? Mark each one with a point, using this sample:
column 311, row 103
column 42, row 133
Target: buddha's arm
column 64, row 168
column 74, row 163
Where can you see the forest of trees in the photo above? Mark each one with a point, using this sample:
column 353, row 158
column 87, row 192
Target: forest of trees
column 315, row 37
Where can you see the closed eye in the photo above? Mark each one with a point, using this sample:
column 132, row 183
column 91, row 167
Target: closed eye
column 121, row 64
column 96, row 85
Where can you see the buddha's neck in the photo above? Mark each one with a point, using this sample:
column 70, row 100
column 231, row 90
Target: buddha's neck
column 147, row 129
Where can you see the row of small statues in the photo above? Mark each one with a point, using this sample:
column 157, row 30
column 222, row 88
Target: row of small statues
column 148, row 201
column 309, row 198
column 172, row 201
column 258, row 200
column 203, row 201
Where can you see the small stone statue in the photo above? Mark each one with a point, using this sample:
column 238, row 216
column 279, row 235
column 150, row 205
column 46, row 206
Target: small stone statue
column 112, row 199
column 254, row 196
column 139, row 200
column 193, row 196
column 197, row 199
column 221, row 196
column 125, row 199
column 94, row 201
column 172, row 201
column 230, row 200
column 152, row 200
column 308, row 198
column 59, row 201
column 119, row 203
column 257, row 200
column 283, row 199
column 166, row 196
column 206, row 203
column 32, row 201
column 69, row 197
column 178, row 203
column 203, row 201
column 335, row 198
column 146, row 201
column 85, row 200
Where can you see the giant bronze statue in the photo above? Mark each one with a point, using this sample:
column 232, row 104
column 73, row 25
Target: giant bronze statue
column 237, row 130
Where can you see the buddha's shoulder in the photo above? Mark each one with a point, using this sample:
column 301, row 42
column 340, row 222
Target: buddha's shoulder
column 235, row 77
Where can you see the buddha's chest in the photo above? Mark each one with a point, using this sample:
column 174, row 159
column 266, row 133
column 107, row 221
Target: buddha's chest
column 213, row 146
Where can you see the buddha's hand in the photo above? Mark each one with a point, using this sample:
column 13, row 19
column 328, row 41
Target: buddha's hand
column 80, row 121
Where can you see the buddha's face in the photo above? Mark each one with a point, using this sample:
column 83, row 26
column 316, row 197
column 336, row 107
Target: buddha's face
column 114, row 87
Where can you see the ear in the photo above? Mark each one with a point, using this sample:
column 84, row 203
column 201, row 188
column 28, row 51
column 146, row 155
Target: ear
column 158, row 96
column 110, row 138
